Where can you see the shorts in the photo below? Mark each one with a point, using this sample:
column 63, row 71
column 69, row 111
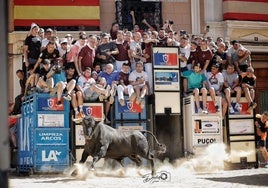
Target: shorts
column 91, row 96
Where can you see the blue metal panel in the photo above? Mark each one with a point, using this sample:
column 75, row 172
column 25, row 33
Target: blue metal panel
column 25, row 138
column 131, row 111
column 49, row 136
column 51, row 158
column 43, row 136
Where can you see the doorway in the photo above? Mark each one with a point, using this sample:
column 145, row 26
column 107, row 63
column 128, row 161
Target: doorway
column 149, row 12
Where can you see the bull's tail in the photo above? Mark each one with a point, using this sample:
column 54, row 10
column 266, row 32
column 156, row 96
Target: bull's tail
column 161, row 147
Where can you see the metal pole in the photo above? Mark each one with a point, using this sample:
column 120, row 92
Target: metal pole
column 4, row 140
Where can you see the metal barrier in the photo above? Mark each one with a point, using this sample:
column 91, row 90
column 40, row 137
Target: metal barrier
column 43, row 135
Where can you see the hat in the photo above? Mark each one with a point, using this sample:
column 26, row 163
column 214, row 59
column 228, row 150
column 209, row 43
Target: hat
column 68, row 35
column 63, row 40
column 105, row 35
column 216, row 65
column 49, row 30
column 94, row 72
column 41, row 30
column 183, row 32
column 33, row 25
column 83, row 37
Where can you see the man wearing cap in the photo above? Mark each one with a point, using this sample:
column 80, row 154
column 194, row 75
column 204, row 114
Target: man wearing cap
column 48, row 37
column 63, row 50
column 105, row 51
column 31, row 48
column 72, row 56
column 69, row 38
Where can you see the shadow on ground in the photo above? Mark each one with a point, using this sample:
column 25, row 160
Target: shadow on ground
column 256, row 179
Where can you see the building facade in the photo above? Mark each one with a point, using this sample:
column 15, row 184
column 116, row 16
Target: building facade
column 242, row 20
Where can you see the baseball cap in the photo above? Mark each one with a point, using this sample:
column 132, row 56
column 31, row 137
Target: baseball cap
column 68, row 35
column 49, row 30
column 216, row 65
column 33, row 25
column 83, row 37
column 63, row 40
column 105, row 35
column 183, row 32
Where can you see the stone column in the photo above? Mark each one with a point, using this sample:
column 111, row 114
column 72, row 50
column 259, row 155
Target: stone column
column 213, row 10
column 195, row 12
column 10, row 16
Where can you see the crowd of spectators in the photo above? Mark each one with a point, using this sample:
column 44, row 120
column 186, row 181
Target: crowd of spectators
column 95, row 68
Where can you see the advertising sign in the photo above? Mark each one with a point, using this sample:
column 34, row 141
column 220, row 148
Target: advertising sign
column 207, row 126
column 50, row 120
column 94, row 109
column 166, row 80
column 130, row 107
column 49, row 104
column 165, row 57
column 241, row 126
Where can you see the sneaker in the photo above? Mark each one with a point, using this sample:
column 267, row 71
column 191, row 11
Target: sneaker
column 111, row 99
column 217, row 107
column 132, row 97
column 266, row 165
column 238, row 107
column 82, row 115
column 53, row 91
column 67, row 97
column 122, row 102
column 231, row 110
column 142, row 103
column 252, row 106
column 205, row 111
column 59, row 103
column 199, row 111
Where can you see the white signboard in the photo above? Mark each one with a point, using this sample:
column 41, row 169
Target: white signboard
column 50, row 120
column 241, row 126
column 79, row 135
column 205, row 140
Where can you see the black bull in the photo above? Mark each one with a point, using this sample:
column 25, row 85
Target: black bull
column 103, row 141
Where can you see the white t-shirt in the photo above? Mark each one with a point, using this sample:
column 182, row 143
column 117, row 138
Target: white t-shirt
column 134, row 76
column 85, row 83
column 215, row 81
column 185, row 52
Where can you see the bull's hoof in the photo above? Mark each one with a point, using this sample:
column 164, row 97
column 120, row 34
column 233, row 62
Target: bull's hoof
column 74, row 173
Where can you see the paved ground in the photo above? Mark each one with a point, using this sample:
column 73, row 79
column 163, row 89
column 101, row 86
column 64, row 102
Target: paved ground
column 206, row 171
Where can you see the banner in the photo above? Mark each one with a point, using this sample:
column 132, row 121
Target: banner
column 251, row 10
column 57, row 12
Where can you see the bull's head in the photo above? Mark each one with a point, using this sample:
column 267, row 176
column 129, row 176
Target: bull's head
column 88, row 125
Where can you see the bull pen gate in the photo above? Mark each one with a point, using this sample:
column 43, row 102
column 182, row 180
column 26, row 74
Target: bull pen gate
column 43, row 135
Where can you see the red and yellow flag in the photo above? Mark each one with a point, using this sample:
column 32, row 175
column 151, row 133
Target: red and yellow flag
column 57, row 12
column 250, row 10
